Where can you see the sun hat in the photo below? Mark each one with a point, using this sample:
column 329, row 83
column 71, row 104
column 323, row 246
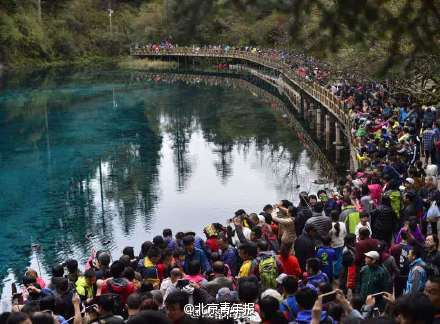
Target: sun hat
column 373, row 255
column 281, row 277
column 272, row 293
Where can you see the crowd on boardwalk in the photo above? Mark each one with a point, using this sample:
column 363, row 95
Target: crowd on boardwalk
column 366, row 251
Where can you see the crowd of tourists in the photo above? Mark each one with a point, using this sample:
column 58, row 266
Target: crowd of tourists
column 366, row 251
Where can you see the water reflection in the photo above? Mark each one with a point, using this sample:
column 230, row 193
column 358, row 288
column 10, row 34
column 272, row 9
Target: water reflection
column 103, row 160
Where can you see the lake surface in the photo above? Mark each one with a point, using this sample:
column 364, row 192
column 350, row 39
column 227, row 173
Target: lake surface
column 101, row 153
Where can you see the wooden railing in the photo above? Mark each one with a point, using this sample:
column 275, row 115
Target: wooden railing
column 313, row 89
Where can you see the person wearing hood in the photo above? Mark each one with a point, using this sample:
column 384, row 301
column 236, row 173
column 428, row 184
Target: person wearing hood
column 117, row 284
column 383, row 220
column 305, row 299
column 86, row 285
column 417, row 274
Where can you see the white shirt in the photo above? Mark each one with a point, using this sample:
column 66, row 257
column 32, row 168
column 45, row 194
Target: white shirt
column 359, row 226
column 247, row 234
column 338, row 241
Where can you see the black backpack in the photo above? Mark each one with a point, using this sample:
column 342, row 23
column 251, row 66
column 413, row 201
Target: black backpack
column 118, row 305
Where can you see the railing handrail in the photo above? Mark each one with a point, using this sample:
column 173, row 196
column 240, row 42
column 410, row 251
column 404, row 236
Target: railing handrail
column 315, row 90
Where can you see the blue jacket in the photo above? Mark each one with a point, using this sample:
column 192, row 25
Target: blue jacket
column 314, row 281
column 417, row 277
column 289, row 308
column 229, row 257
column 305, row 317
column 199, row 255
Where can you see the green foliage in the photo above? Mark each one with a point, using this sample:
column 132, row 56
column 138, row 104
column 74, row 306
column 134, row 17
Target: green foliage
column 364, row 36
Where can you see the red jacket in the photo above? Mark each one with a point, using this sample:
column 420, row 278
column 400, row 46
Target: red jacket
column 119, row 286
column 290, row 265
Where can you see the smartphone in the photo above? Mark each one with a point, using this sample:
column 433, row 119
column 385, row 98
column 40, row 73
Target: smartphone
column 182, row 283
column 328, row 297
column 379, row 294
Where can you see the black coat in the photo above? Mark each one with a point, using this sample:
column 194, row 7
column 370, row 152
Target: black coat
column 302, row 214
column 383, row 222
column 304, row 249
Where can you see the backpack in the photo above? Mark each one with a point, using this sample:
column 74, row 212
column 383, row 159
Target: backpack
column 268, row 272
column 118, row 305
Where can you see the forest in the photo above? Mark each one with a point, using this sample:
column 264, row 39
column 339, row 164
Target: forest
column 393, row 38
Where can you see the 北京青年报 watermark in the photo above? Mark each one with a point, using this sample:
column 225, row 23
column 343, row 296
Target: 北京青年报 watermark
column 220, row 310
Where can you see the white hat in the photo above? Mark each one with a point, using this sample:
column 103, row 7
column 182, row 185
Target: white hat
column 281, row 277
column 272, row 293
column 410, row 180
column 373, row 255
column 261, row 218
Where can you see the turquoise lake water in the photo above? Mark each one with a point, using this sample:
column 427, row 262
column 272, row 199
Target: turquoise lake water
column 100, row 153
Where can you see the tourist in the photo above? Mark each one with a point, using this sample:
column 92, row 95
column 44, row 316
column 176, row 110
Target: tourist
column 117, row 284
column 412, row 229
column 247, row 252
column 305, row 245
column 327, row 255
column 432, row 290
column 432, row 255
column 228, row 254
column 73, row 272
column 289, row 306
column 337, row 234
column 288, row 261
column 171, row 243
column 373, row 278
column 218, row 280
column 400, row 252
column 193, row 273
column 270, row 312
column 303, row 213
column 347, row 275
column 417, row 274
column 319, row 221
column 103, row 265
column 106, row 307
column 414, row 308
column 285, row 219
column 194, row 253
column 364, row 217
column 148, row 267
column 134, row 302
column 86, row 286
column 306, row 298
column 383, row 220
column 315, row 277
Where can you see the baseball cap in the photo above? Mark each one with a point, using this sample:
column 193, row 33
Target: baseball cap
column 410, row 180
column 373, row 255
column 281, row 277
column 272, row 293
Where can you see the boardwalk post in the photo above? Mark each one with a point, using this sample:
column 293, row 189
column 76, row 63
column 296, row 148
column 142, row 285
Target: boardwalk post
column 338, row 141
column 318, row 121
column 327, row 124
column 301, row 105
